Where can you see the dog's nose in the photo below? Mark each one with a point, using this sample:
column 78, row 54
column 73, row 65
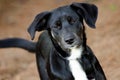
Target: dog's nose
column 69, row 41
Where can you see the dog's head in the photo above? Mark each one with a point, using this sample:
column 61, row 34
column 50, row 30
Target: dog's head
column 66, row 23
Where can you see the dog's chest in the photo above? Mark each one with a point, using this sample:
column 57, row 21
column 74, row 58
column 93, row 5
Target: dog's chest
column 75, row 67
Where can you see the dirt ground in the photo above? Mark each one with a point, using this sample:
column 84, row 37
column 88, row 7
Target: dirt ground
column 17, row 15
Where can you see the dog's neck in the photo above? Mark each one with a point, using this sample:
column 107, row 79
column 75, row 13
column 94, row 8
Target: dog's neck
column 75, row 66
column 75, row 53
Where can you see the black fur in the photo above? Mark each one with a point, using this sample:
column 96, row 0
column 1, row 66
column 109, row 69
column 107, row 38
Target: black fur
column 63, row 28
column 18, row 42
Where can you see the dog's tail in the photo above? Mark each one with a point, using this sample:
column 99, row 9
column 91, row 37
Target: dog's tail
column 19, row 43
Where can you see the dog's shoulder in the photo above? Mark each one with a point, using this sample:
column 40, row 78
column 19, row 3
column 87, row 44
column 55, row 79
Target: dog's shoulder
column 44, row 43
column 44, row 39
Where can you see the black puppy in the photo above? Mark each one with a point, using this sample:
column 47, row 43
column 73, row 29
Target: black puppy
column 61, row 50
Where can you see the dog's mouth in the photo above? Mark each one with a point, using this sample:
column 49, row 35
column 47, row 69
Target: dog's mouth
column 67, row 47
column 74, row 44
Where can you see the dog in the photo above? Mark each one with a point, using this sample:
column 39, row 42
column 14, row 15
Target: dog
column 61, row 50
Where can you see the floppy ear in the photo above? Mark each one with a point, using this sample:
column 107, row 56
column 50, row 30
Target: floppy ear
column 39, row 23
column 89, row 12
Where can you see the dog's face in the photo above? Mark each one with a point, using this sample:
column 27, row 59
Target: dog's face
column 66, row 23
column 66, row 27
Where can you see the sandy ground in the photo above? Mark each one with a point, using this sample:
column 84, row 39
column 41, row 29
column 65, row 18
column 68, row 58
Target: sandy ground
column 17, row 15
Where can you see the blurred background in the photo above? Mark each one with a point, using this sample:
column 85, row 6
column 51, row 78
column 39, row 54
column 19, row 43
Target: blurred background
column 17, row 15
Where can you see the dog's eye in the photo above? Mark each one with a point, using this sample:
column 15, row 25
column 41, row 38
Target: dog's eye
column 57, row 24
column 70, row 20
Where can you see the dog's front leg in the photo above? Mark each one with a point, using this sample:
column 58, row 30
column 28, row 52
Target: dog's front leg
column 41, row 67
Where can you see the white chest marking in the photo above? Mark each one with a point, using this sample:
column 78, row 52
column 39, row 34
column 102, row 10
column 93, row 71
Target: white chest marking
column 76, row 69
